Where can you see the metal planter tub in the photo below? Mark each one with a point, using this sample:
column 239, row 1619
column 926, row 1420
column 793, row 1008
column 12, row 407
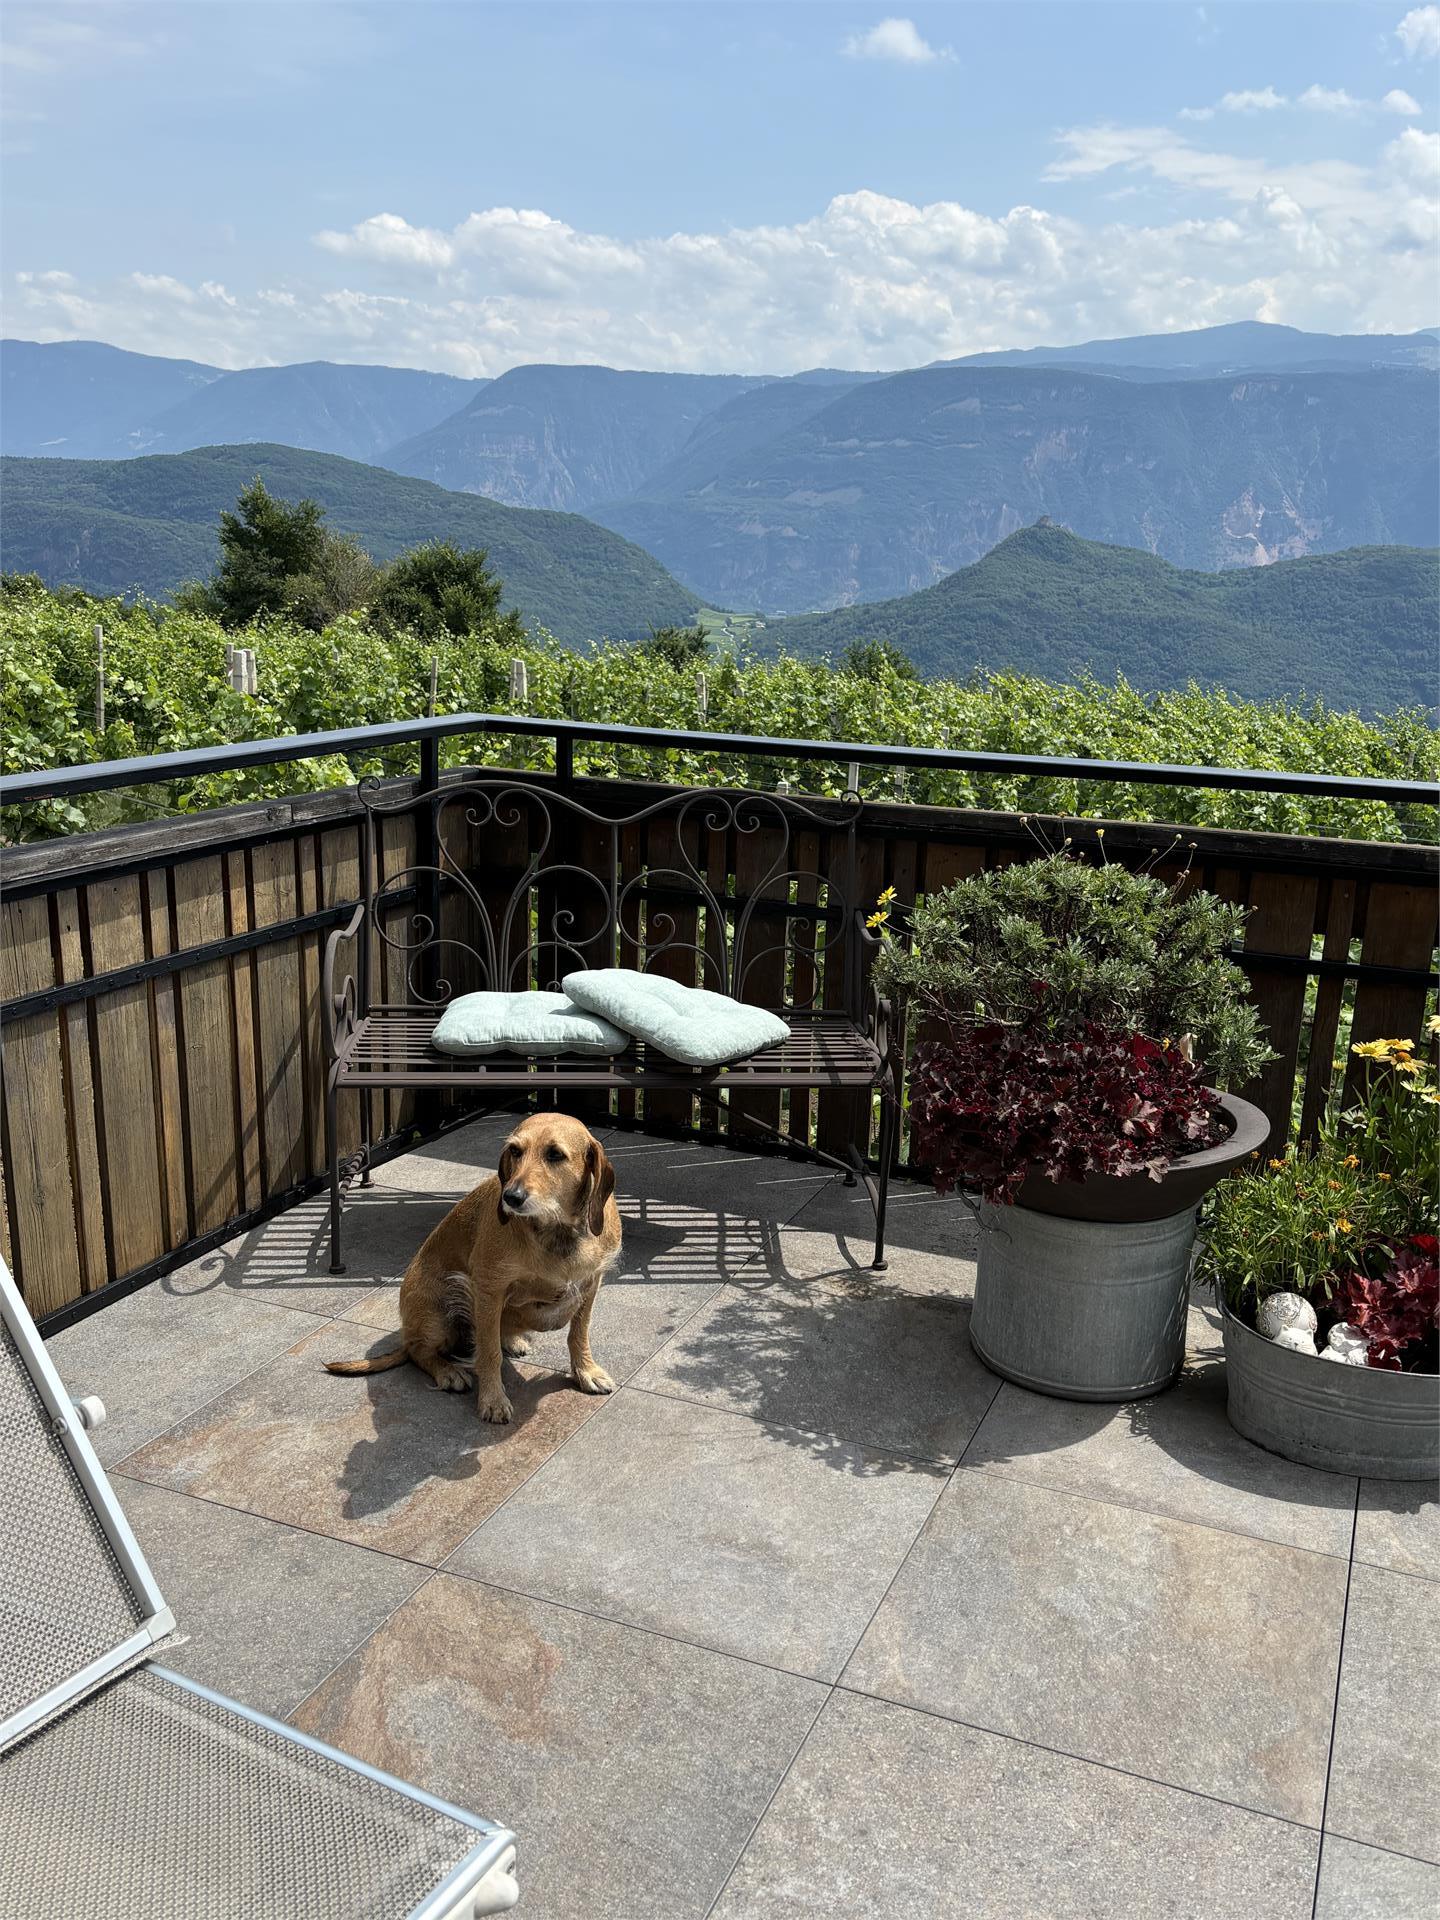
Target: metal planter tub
column 1361, row 1420
column 1082, row 1289
column 1083, row 1309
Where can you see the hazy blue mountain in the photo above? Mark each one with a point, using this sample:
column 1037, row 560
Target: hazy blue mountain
column 353, row 411
column 890, row 486
column 565, row 436
column 1242, row 347
column 116, row 526
column 1357, row 629
column 77, row 398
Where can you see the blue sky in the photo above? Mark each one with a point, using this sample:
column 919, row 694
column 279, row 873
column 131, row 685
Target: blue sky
column 757, row 187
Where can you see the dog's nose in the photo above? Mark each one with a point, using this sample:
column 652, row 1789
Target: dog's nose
column 515, row 1196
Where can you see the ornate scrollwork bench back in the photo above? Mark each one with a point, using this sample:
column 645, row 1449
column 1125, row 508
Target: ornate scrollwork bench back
column 496, row 881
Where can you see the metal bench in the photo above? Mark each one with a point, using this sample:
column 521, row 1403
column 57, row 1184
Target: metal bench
column 130, row 1790
column 512, row 885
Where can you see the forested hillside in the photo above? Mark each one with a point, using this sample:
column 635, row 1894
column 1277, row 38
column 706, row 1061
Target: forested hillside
column 565, row 437
column 166, row 689
column 894, row 484
column 1244, row 346
column 118, row 526
column 1356, row 629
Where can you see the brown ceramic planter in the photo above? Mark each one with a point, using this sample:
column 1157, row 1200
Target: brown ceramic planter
column 1135, row 1197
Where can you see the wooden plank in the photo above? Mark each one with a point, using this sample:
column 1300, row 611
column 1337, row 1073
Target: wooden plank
column 1320, row 1072
column 44, row 1242
column 1400, row 931
column 125, row 1078
column 241, row 986
column 672, row 932
column 760, row 962
column 1282, row 920
column 86, row 1176
column 277, row 1001
column 174, row 1179
column 806, row 943
column 312, row 949
column 340, row 887
column 941, row 865
column 214, row 1124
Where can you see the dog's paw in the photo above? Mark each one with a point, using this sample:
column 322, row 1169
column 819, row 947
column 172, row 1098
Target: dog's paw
column 497, row 1409
column 453, row 1379
column 516, row 1345
column 594, row 1380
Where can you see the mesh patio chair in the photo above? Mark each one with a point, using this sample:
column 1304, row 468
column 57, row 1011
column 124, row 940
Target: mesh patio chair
column 130, row 1791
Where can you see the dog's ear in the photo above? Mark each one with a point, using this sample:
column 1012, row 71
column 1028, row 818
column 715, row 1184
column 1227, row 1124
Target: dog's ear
column 507, row 1167
column 600, row 1184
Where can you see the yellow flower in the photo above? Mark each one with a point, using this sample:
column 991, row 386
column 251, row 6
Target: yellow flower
column 1383, row 1176
column 1373, row 1049
column 1342, row 1225
column 1277, row 1163
column 1333, row 1185
column 1429, row 1095
column 1404, row 1064
column 878, row 919
column 1432, row 1025
column 884, row 899
column 1352, row 1160
column 1317, row 1236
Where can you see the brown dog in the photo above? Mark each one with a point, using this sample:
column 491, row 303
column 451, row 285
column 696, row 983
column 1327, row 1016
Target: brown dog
column 524, row 1253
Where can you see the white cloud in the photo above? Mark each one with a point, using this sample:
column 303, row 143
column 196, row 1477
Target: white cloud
column 1199, row 236
column 898, row 40
column 1330, row 100
column 1398, row 101
column 1419, row 33
column 1252, row 100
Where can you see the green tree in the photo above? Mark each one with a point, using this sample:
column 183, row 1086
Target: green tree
column 265, row 545
column 440, row 589
column 873, row 659
column 343, row 579
column 677, row 646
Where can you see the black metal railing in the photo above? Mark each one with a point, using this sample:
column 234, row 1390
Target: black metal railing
column 108, row 775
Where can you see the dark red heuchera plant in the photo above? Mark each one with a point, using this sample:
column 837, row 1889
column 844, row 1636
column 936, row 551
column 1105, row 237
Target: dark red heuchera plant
column 1401, row 1309
column 992, row 1103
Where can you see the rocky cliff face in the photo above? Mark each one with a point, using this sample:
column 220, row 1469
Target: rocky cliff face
column 567, row 437
column 893, row 485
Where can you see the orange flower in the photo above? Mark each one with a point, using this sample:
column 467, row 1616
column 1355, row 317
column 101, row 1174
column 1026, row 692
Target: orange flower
column 1352, row 1160
column 1342, row 1225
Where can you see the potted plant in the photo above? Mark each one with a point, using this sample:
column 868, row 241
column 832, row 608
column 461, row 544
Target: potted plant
column 1330, row 1255
column 1078, row 1023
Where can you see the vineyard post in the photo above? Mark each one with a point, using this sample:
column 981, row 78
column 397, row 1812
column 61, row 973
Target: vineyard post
column 99, row 680
column 434, row 677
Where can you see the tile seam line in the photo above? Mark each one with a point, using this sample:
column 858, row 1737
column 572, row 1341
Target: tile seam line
column 1335, row 1703
column 985, row 1467
column 162, row 1433
column 941, row 1462
column 1373, row 1846
column 1088, row 1760
column 889, row 1587
column 269, row 1520
column 358, row 1647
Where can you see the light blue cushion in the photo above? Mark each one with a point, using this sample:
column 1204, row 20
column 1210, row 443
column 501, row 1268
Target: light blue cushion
column 690, row 1024
column 533, row 1023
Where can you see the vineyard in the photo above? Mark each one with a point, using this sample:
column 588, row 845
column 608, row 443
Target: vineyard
column 166, row 688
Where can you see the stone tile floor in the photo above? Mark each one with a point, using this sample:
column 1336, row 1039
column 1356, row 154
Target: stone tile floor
column 813, row 1617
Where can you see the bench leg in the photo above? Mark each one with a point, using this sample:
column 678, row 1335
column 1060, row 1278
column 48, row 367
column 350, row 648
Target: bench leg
column 367, row 1135
column 889, row 1128
column 332, row 1157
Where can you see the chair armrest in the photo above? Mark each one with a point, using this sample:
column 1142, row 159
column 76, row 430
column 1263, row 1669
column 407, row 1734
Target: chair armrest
column 338, row 1010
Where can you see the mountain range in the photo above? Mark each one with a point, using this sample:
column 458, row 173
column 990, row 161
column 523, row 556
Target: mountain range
column 1224, row 447
column 1357, row 628
column 115, row 526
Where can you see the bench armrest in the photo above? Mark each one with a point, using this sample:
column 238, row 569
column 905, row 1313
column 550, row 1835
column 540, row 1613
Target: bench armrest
column 338, row 1010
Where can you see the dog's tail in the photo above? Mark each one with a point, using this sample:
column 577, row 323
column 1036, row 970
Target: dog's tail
column 378, row 1364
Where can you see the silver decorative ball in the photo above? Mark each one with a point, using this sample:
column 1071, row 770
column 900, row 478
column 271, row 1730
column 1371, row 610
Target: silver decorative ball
column 1280, row 1310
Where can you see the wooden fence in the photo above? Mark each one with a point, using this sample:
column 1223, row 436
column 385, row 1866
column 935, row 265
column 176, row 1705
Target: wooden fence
column 161, row 1029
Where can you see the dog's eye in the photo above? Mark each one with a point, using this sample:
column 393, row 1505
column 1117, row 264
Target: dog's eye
column 555, row 1155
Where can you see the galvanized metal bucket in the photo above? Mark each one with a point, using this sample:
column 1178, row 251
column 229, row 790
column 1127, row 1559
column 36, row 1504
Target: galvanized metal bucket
column 1345, row 1419
column 1082, row 1309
